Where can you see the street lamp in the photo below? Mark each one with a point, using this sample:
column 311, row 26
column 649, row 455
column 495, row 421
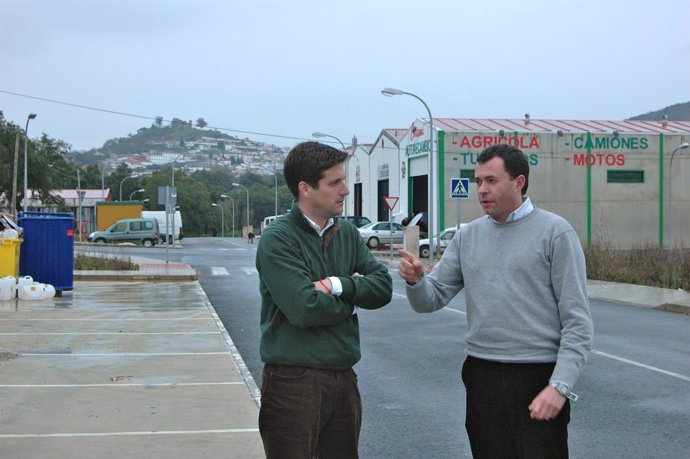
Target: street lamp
column 389, row 92
column 123, row 180
column 222, row 219
column 275, row 177
column 670, row 191
column 140, row 190
column 26, row 149
column 233, row 212
column 318, row 134
column 247, row 190
column 173, row 168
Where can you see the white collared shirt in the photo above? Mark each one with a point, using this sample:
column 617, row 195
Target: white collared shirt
column 525, row 208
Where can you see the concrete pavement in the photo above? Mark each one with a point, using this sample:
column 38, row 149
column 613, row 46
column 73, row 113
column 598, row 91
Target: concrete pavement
column 137, row 364
column 124, row 369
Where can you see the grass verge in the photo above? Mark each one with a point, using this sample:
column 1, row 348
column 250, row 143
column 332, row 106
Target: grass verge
column 651, row 266
column 84, row 262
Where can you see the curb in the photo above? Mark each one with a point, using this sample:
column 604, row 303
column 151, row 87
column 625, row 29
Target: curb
column 186, row 275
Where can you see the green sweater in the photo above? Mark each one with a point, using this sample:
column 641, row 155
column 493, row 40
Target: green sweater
column 303, row 327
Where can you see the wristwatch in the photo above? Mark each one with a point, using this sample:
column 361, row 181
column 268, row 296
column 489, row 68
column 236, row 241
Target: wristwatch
column 565, row 391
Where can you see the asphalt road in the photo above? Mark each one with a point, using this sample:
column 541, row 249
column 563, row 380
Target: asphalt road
column 634, row 392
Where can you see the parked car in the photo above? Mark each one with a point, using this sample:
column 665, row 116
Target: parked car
column 142, row 231
column 358, row 221
column 445, row 237
column 378, row 233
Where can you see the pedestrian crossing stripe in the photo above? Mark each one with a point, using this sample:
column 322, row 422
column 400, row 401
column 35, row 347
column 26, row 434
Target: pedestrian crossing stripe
column 459, row 188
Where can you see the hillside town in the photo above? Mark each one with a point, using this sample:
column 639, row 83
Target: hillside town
column 238, row 156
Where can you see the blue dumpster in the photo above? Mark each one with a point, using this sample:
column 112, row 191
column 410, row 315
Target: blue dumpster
column 47, row 252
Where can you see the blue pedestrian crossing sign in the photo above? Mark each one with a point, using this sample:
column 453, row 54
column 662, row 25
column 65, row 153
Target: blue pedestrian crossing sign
column 459, row 188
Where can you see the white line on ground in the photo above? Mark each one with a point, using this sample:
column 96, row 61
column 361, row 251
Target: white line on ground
column 219, row 271
column 237, row 357
column 109, row 333
column 121, row 434
column 250, row 270
column 121, row 354
column 106, row 319
column 116, row 384
column 603, row 354
column 642, row 365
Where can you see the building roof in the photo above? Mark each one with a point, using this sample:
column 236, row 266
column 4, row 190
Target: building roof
column 536, row 125
column 396, row 133
column 88, row 194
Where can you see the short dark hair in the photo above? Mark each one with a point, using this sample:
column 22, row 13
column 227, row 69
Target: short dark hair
column 514, row 160
column 307, row 162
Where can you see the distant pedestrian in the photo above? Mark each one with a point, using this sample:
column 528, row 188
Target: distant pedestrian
column 213, row 231
column 250, row 237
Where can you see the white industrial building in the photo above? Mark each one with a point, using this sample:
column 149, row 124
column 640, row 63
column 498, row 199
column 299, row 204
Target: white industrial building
column 614, row 181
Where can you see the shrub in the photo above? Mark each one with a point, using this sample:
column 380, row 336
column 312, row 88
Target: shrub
column 652, row 266
column 84, row 262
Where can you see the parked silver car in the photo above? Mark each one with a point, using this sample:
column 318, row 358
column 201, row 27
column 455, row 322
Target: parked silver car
column 378, row 233
column 143, row 231
column 446, row 236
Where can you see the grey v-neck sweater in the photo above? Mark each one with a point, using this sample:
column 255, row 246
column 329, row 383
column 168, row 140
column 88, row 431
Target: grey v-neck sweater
column 526, row 288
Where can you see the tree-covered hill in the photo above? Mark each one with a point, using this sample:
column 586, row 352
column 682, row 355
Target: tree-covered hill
column 675, row 112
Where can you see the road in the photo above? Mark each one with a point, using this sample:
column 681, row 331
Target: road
column 634, row 392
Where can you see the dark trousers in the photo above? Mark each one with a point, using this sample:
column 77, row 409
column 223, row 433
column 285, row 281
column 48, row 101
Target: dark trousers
column 308, row 413
column 497, row 419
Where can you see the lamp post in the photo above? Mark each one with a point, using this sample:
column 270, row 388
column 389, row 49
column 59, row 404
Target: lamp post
column 26, row 154
column 397, row 92
column 222, row 219
column 247, row 190
column 123, row 180
column 318, row 134
column 233, row 212
column 275, row 177
column 140, row 190
column 670, row 191
column 173, row 168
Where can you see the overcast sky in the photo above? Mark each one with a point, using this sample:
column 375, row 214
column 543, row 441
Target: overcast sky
column 285, row 69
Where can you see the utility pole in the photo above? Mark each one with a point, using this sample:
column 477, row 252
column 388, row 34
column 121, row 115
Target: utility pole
column 14, row 176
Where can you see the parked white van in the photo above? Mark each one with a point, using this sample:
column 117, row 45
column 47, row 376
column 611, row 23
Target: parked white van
column 174, row 222
column 267, row 221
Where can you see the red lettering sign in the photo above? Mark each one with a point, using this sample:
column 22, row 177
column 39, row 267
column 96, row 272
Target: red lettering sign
column 599, row 159
column 478, row 141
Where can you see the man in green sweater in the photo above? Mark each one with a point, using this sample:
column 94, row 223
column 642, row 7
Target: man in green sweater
column 314, row 272
column 529, row 328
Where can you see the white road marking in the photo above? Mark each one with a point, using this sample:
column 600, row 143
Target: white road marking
column 219, row 271
column 122, row 434
column 108, row 333
column 168, row 319
column 250, row 270
column 116, row 384
column 115, row 354
column 603, row 354
column 642, row 365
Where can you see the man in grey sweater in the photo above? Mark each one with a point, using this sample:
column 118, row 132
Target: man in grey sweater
column 529, row 325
